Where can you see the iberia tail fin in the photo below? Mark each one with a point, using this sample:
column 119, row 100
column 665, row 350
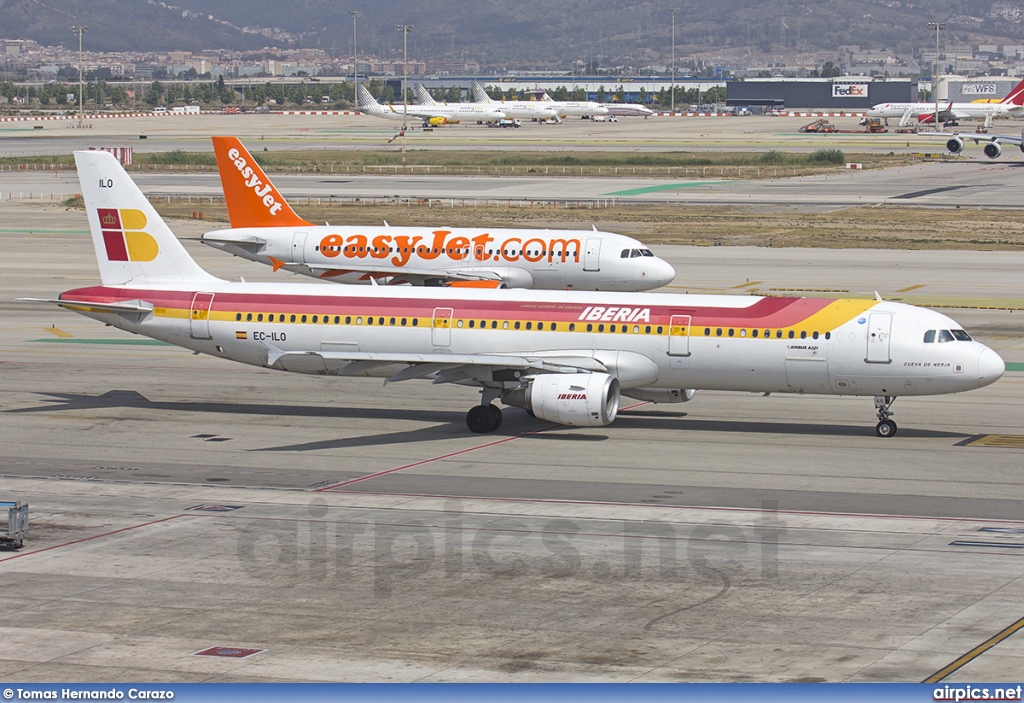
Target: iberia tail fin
column 133, row 244
column 252, row 199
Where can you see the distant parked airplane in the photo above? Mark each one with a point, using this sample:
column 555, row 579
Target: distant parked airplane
column 950, row 112
column 523, row 109
column 430, row 114
column 580, row 108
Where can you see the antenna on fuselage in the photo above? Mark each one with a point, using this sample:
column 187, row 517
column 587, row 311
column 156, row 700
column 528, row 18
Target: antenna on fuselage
column 878, row 297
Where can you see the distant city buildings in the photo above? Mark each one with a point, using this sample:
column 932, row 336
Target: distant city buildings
column 25, row 59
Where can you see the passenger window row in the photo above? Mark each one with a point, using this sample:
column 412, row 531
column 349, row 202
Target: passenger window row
column 766, row 334
column 549, row 326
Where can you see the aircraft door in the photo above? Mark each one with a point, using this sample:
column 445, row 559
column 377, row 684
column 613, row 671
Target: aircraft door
column 592, row 255
column 879, row 337
column 679, row 336
column 299, row 248
column 199, row 320
column 441, row 329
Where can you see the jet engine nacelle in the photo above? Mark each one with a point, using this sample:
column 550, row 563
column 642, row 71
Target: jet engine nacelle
column 955, row 145
column 661, row 395
column 437, row 121
column 583, row 400
column 993, row 150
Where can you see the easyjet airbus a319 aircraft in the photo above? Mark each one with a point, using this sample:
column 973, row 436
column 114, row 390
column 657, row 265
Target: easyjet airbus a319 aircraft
column 265, row 229
column 564, row 356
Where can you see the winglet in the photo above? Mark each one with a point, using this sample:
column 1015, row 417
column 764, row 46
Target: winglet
column 276, row 262
column 252, row 199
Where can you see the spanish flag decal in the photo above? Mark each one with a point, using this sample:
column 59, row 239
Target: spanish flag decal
column 123, row 235
column 241, row 335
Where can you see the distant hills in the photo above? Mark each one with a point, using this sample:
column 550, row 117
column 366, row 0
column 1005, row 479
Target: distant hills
column 516, row 33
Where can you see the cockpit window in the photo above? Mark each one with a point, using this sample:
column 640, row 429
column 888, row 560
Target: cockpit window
column 929, row 337
column 945, row 336
column 646, row 252
column 635, row 254
column 961, row 335
column 624, row 254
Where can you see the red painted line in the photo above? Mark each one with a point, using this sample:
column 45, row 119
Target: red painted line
column 87, row 539
column 431, row 460
column 445, row 456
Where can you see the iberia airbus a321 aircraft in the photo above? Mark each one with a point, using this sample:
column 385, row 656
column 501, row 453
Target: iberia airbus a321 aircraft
column 265, row 229
column 564, row 356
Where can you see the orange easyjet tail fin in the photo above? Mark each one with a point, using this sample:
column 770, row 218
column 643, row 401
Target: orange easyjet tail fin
column 252, row 199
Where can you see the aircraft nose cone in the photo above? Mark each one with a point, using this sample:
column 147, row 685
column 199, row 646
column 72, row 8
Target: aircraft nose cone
column 990, row 366
column 662, row 274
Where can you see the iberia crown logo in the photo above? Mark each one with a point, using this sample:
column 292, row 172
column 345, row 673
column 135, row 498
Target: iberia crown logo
column 124, row 236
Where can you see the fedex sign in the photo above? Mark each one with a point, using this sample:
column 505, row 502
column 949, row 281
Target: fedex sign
column 849, row 90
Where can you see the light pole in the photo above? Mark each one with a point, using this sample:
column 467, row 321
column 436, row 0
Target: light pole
column 355, row 55
column 404, row 29
column 938, row 27
column 674, row 10
column 81, row 95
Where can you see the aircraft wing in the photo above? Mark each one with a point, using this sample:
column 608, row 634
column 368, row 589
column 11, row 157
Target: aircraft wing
column 446, row 368
column 976, row 137
column 403, row 274
column 1002, row 138
column 993, row 143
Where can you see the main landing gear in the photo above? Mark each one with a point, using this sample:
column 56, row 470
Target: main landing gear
column 485, row 417
column 885, row 426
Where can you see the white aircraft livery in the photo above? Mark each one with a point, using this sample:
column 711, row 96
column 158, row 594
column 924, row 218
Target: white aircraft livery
column 564, row 356
column 265, row 229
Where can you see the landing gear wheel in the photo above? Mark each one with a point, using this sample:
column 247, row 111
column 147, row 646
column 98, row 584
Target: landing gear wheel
column 483, row 418
column 885, row 428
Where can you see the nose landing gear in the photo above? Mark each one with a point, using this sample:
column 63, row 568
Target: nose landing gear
column 885, row 426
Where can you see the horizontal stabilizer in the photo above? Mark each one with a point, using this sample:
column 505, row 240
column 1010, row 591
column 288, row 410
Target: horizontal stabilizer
column 249, row 241
column 126, row 307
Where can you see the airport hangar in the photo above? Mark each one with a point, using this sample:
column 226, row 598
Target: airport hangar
column 850, row 93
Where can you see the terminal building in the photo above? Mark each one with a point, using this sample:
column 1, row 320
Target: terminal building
column 846, row 93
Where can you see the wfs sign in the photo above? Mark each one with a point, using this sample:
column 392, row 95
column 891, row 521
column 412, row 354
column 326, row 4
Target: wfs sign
column 988, row 89
column 849, row 90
